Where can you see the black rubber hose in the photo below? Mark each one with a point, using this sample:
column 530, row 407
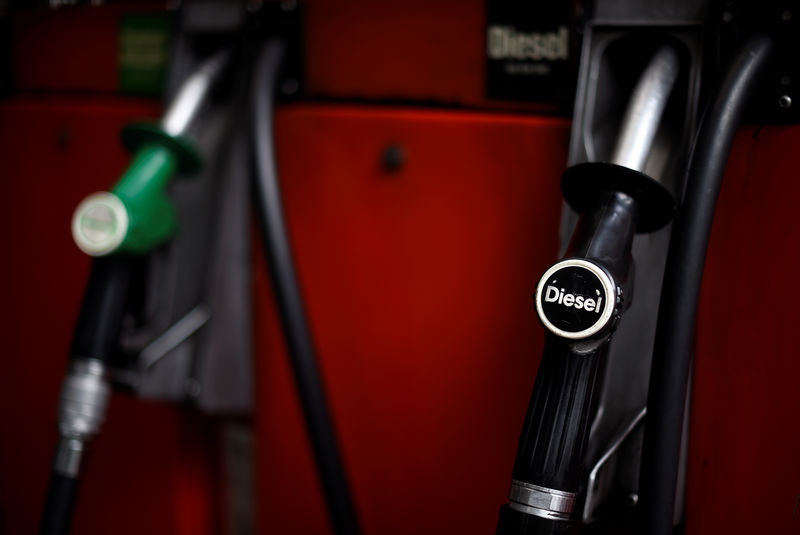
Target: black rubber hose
column 675, row 331
column 96, row 334
column 59, row 506
column 287, row 292
column 100, row 317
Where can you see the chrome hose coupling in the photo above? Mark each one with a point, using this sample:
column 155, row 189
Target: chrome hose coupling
column 541, row 501
column 81, row 411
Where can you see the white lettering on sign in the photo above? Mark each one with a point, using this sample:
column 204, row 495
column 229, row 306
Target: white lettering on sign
column 554, row 295
column 505, row 42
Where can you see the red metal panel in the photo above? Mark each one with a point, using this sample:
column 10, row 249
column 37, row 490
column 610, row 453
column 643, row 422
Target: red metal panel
column 419, row 290
column 396, row 49
column 75, row 48
column 744, row 471
column 400, row 50
column 151, row 470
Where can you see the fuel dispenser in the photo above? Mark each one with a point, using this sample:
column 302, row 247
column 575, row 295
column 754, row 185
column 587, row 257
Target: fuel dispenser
column 121, row 226
column 549, row 470
column 616, row 200
column 655, row 102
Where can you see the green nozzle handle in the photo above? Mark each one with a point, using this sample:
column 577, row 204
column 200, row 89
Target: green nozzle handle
column 142, row 189
column 136, row 214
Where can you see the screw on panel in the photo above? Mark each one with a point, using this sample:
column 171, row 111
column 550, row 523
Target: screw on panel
column 393, row 158
column 785, row 101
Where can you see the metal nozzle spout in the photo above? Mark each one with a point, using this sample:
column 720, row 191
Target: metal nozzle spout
column 646, row 107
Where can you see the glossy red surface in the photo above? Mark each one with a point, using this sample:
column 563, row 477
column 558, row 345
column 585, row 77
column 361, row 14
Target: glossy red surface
column 152, row 468
column 418, row 286
column 73, row 49
column 393, row 46
column 400, row 50
column 744, row 469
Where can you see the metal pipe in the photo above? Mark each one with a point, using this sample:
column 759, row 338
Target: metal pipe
column 192, row 94
column 643, row 115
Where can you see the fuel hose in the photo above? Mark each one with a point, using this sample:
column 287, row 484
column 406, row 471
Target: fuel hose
column 675, row 330
column 290, row 301
column 86, row 390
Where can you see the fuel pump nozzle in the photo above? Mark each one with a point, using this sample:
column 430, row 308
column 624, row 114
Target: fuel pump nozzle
column 579, row 301
column 136, row 214
column 131, row 219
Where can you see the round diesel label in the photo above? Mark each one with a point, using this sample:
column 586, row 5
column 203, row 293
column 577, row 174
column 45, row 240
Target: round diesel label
column 575, row 299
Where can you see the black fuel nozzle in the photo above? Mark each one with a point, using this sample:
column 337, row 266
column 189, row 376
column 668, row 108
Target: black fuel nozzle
column 579, row 300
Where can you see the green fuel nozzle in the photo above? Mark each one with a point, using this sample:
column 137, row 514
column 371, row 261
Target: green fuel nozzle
column 137, row 215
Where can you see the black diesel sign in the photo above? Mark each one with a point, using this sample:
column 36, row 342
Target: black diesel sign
column 530, row 51
column 575, row 299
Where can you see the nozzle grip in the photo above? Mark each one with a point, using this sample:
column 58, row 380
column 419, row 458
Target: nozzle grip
column 553, row 441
